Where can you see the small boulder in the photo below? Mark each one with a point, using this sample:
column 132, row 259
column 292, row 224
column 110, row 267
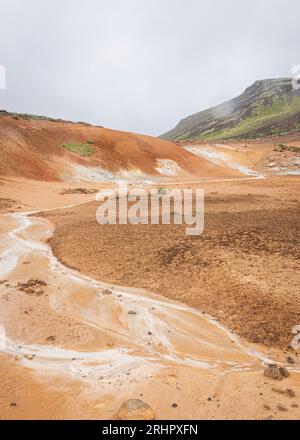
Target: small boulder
column 290, row 393
column 107, row 292
column 135, row 409
column 284, row 372
column 275, row 372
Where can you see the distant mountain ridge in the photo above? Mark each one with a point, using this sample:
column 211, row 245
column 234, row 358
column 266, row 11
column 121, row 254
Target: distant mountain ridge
column 267, row 107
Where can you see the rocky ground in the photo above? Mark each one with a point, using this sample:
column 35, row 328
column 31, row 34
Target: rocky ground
column 243, row 270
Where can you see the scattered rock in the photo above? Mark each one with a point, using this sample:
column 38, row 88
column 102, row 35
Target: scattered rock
column 107, row 292
column 29, row 356
column 7, row 203
column 275, row 372
column 288, row 392
column 284, row 372
column 281, row 408
column 174, row 405
column 135, row 409
column 51, row 338
column 294, row 405
column 13, row 404
column 78, row 191
column 267, row 407
column 132, row 312
column 32, row 287
column 291, row 360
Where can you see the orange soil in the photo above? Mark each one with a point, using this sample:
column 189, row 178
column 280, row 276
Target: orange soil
column 243, row 270
column 33, row 149
column 199, row 393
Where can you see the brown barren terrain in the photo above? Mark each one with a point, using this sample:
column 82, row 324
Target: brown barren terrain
column 244, row 268
column 186, row 324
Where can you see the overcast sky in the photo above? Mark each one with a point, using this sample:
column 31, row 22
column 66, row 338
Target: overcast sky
column 140, row 65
